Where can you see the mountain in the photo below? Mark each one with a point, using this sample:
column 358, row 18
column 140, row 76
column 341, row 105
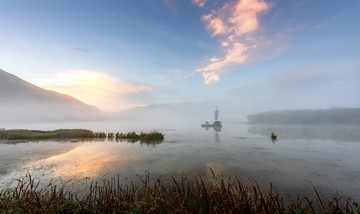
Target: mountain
column 21, row 101
column 333, row 116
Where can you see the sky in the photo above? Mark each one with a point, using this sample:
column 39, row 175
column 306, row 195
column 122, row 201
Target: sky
column 241, row 55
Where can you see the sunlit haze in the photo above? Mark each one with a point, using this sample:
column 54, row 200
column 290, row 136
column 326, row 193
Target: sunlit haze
column 241, row 55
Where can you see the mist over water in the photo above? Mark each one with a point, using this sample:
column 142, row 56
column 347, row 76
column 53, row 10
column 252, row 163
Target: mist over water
column 324, row 156
column 302, row 156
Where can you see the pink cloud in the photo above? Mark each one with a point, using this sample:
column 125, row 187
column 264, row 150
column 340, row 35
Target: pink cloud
column 234, row 55
column 216, row 25
column 235, row 25
column 244, row 19
column 199, row 3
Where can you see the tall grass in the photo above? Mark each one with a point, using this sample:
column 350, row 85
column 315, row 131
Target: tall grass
column 201, row 194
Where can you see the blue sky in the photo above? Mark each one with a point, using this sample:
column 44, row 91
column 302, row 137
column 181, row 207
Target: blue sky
column 242, row 55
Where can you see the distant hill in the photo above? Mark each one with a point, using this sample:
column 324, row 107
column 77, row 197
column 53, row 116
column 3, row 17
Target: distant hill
column 21, row 101
column 339, row 116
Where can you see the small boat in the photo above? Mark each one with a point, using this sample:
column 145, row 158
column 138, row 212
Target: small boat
column 216, row 124
column 206, row 124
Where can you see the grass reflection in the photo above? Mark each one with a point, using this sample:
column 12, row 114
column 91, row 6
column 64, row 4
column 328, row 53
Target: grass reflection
column 142, row 142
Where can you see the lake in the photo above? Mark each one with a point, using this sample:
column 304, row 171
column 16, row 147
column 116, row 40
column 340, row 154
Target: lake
column 326, row 157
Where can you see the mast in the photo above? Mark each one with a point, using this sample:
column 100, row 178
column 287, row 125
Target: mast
column 216, row 114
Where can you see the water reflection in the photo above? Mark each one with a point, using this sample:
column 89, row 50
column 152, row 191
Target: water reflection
column 92, row 160
column 14, row 154
column 141, row 142
column 217, row 129
column 217, row 138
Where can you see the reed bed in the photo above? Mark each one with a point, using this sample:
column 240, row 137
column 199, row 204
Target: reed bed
column 200, row 194
column 99, row 135
column 142, row 136
column 23, row 134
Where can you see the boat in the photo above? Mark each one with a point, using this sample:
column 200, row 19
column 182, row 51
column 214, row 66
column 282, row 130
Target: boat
column 216, row 124
column 206, row 125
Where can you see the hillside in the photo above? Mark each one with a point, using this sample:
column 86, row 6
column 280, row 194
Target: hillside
column 21, row 101
column 338, row 116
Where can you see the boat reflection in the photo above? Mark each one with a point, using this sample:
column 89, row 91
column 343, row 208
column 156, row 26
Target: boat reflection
column 217, row 129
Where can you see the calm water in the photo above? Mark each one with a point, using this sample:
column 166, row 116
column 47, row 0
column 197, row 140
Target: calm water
column 326, row 157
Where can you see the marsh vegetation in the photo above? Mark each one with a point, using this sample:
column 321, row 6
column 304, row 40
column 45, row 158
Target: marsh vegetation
column 23, row 134
column 273, row 137
column 200, row 194
column 142, row 136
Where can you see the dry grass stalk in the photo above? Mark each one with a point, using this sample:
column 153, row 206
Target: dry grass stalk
column 201, row 194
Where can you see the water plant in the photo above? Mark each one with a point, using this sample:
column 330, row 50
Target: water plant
column 110, row 135
column 273, row 137
column 99, row 135
column 142, row 136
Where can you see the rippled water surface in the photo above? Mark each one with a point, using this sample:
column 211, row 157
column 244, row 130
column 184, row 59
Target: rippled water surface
column 326, row 157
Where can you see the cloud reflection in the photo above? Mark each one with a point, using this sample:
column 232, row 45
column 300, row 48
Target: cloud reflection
column 92, row 160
